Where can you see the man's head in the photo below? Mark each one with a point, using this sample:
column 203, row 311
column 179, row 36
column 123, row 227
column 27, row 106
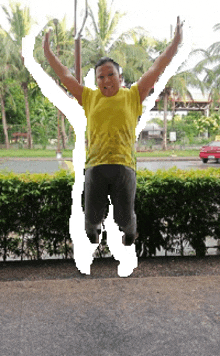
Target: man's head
column 108, row 77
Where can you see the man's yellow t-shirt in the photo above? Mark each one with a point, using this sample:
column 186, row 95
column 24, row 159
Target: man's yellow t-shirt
column 111, row 123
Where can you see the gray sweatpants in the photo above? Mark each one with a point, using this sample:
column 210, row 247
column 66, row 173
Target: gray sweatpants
column 119, row 182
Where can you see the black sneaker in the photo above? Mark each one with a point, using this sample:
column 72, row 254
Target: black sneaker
column 93, row 238
column 128, row 239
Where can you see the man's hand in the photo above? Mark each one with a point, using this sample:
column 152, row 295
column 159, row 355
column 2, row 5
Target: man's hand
column 146, row 82
column 46, row 41
column 28, row 43
column 178, row 32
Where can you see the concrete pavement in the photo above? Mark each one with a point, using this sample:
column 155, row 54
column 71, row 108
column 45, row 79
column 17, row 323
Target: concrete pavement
column 110, row 316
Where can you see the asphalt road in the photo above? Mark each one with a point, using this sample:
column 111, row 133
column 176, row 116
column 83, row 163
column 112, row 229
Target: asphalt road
column 184, row 165
column 32, row 166
column 42, row 165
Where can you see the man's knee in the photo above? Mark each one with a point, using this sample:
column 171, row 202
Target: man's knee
column 127, row 223
column 93, row 231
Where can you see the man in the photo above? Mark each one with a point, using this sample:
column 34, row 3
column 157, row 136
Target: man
column 112, row 114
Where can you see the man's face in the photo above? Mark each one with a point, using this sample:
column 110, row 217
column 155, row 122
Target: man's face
column 108, row 79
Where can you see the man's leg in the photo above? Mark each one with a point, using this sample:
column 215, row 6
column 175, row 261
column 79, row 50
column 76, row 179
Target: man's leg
column 96, row 193
column 122, row 192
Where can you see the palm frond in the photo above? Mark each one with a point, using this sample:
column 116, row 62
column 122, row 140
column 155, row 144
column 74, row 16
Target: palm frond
column 214, row 49
column 103, row 19
column 114, row 22
column 93, row 21
column 201, row 65
column 216, row 27
column 6, row 13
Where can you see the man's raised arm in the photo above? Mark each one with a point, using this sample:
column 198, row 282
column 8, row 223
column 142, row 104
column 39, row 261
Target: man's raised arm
column 62, row 72
column 146, row 82
column 48, row 86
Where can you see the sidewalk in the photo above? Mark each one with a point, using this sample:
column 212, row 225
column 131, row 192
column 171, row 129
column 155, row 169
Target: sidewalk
column 65, row 313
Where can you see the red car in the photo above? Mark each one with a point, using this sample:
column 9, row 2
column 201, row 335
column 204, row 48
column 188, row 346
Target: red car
column 211, row 151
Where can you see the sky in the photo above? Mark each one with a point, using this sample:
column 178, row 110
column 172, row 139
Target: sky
column 155, row 17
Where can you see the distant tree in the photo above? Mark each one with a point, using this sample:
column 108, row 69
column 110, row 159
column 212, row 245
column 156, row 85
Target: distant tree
column 62, row 44
column 176, row 89
column 20, row 25
column 209, row 124
column 100, row 41
column 4, row 90
column 210, row 67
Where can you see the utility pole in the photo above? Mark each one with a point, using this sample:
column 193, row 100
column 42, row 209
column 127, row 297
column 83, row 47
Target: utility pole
column 77, row 37
column 167, row 92
column 59, row 153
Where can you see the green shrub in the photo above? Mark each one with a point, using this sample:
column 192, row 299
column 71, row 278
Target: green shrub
column 173, row 208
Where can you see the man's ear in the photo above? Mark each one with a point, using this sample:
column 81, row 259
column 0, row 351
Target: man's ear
column 120, row 78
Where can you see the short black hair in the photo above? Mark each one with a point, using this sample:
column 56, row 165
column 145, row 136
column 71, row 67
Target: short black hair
column 104, row 60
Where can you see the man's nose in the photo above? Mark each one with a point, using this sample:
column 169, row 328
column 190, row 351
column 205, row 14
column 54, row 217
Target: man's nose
column 106, row 80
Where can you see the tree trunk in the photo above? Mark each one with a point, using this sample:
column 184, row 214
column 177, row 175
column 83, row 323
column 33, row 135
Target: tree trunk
column 165, row 121
column 173, row 112
column 29, row 136
column 58, row 131
column 63, row 132
column 4, row 122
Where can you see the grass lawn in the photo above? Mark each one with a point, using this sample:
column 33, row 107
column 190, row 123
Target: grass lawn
column 33, row 153
column 68, row 153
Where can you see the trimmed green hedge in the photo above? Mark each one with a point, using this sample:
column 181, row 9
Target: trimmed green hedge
column 173, row 207
column 36, row 208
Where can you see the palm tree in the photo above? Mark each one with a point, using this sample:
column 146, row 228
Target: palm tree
column 104, row 30
column 210, row 66
column 137, row 57
column 7, row 70
column 20, row 24
column 4, row 69
column 178, row 86
column 62, row 44
column 102, row 42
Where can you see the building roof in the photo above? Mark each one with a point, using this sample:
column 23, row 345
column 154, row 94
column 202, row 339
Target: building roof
column 197, row 96
column 152, row 127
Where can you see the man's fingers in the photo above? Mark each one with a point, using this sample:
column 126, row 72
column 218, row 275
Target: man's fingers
column 49, row 30
column 179, row 24
column 46, row 38
column 179, row 31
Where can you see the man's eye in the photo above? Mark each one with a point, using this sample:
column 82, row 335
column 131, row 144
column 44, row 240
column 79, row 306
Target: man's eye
column 111, row 74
